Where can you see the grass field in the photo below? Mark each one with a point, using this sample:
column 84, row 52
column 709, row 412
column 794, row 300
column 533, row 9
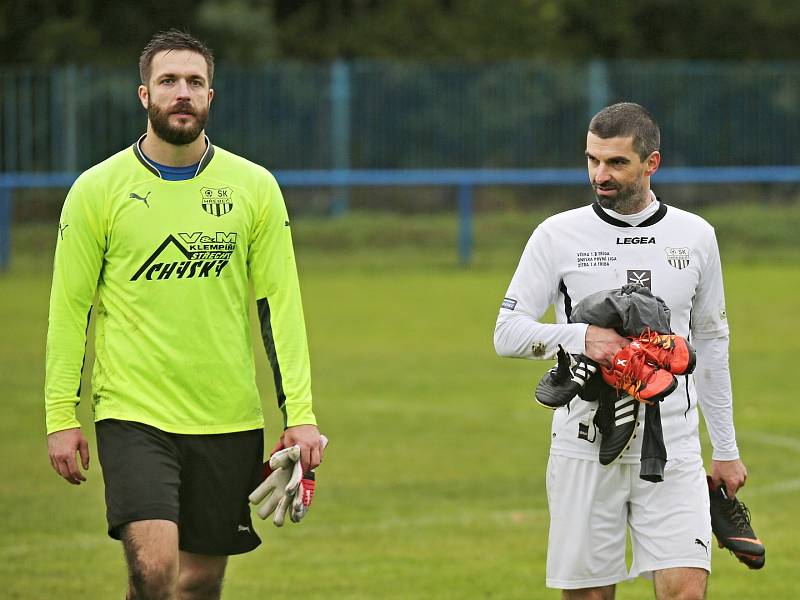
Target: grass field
column 433, row 486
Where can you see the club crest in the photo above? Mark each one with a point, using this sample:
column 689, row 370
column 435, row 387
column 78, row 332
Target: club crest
column 217, row 201
column 678, row 257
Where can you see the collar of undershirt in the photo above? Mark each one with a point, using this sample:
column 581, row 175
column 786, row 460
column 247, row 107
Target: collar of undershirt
column 150, row 166
column 651, row 220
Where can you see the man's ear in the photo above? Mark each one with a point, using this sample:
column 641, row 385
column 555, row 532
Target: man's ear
column 653, row 162
column 144, row 96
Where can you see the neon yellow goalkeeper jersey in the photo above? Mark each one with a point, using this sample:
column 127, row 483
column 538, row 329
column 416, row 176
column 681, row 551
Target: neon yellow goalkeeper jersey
column 170, row 263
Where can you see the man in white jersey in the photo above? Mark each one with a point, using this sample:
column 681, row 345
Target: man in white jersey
column 627, row 236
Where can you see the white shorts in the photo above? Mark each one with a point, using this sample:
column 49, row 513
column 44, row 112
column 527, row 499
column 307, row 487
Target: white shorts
column 592, row 507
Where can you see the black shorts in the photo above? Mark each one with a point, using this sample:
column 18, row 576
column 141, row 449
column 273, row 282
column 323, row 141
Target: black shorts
column 200, row 482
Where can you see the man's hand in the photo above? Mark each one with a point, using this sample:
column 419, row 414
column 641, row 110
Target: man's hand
column 62, row 447
column 732, row 473
column 602, row 344
column 311, row 446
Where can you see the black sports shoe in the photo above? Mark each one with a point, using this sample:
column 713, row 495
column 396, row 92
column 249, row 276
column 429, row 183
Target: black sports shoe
column 730, row 522
column 616, row 418
column 566, row 380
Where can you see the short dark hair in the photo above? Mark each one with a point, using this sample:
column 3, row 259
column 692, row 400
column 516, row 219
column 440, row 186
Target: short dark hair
column 627, row 119
column 173, row 39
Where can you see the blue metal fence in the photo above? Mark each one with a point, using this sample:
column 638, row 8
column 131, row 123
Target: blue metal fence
column 383, row 115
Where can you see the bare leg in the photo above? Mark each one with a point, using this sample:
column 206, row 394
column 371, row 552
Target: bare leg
column 680, row 583
column 151, row 551
column 200, row 576
column 596, row 593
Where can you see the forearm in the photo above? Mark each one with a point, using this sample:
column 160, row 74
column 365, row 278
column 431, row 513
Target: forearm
column 65, row 355
column 713, row 383
column 517, row 335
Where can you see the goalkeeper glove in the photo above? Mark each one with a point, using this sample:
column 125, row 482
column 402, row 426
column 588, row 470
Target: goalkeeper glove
column 303, row 493
column 283, row 473
column 286, row 487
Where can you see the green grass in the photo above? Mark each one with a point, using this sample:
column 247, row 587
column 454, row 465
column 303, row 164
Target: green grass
column 433, row 486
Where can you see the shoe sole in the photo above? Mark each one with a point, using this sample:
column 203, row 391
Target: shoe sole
column 753, row 562
column 662, row 394
column 540, row 403
column 742, row 546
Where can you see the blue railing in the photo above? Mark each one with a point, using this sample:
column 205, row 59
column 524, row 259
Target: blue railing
column 464, row 180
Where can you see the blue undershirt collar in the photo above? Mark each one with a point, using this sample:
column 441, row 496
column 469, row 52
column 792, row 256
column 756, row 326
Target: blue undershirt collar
column 175, row 173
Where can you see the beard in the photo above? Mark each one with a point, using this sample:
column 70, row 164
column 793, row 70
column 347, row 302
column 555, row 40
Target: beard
column 628, row 200
column 177, row 135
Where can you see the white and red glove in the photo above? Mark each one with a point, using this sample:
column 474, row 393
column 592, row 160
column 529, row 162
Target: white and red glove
column 281, row 473
column 303, row 496
column 285, row 486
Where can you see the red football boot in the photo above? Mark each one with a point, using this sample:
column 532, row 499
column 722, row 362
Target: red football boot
column 670, row 352
column 632, row 374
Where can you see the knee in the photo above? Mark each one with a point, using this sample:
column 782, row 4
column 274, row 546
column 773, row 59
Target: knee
column 686, row 592
column 692, row 594
column 198, row 585
column 152, row 581
column 596, row 593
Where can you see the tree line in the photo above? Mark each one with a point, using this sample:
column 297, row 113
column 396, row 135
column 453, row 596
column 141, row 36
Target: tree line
column 48, row 32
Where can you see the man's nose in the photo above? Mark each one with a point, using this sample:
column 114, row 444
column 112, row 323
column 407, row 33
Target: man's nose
column 183, row 88
column 601, row 174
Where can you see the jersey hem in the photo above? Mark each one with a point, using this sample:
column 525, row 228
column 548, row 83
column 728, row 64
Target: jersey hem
column 625, row 460
column 186, row 429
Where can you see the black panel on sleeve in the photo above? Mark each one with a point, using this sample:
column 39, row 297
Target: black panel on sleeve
column 269, row 346
column 83, row 362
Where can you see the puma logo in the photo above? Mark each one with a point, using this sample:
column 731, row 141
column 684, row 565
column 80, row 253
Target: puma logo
column 700, row 542
column 243, row 528
column 134, row 196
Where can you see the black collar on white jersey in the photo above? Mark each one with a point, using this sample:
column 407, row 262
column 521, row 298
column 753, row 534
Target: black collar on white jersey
column 204, row 160
column 651, row 220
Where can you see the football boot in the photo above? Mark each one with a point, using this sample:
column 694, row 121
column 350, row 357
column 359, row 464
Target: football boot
column 730, row 522
column 670, row 352
column 633, row 375
column 566, row 380
column 617, row 418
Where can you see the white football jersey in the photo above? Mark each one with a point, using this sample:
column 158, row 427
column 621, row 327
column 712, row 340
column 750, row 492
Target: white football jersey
column 576, row 253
